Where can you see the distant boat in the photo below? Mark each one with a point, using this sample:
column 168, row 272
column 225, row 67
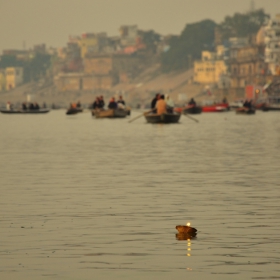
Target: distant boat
column 272, row 104
column 73, row 111
column 163, row 118
column 110, row 113
column 192, row 110
column 34, row 111
column 221, row 107
column 245, row 111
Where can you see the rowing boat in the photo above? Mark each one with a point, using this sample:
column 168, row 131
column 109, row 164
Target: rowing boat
column 245, row 111
column 192, row 110
column 163, row 118
column 34, row 111
column 73, row 111
column 110, row 113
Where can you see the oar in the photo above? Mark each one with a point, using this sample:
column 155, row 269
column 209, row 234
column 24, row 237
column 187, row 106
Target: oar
column 140, row 116
column 191, row 117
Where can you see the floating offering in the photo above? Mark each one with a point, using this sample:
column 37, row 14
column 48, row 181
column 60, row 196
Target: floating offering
column 186, row 229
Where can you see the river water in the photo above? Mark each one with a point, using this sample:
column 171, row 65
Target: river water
column 85, row 198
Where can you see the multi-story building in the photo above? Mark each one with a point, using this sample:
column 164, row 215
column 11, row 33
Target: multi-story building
column 2, row 80
column 128, row 34
column 210, row 68
column 246, row 65
column 92, row 43
column 14, row 77
column 271, row 34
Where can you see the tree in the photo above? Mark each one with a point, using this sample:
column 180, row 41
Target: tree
column 33, row 68
column 242, row 25
column 193, row 39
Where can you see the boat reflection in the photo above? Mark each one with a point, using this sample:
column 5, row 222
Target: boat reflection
column 185, row 236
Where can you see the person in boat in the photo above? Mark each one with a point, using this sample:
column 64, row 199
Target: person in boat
column 154, row 101
column 73, row 105
column 79, row 104
column 225, row 100
column 101, row 102
column 192, row 103
column 36, row 106
column 112, row 104
column 161, row 105
column 31, row 106
column 44, row 105
column 23, row 106
column 121, row 101
column 169, row 104
column 96, row 103
column 247, row 104
column 8, row 106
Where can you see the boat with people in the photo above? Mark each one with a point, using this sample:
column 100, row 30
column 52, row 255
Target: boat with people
column 74, row 111
column 21, row 111
column 128, row 111
column 109, row 113
column 192, row 110
column 163, row 118
column 74, row 108
column 272, row 104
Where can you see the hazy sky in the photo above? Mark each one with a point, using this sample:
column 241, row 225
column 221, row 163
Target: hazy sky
column 52, row 21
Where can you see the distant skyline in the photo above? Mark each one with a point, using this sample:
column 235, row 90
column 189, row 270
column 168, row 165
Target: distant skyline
column 25, row 23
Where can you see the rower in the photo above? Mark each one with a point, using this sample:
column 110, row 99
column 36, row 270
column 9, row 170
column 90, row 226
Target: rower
column 154, row 101
column 192, row 103
column 96, row 103
column 112, row 104
column 161, row 105
column 121, row 101
column 101, row 102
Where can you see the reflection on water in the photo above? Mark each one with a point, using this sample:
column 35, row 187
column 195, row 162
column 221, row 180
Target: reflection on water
column 185, row 236
column 83, row 198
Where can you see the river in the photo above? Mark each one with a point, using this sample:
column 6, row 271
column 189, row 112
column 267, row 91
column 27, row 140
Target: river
column 86, row 198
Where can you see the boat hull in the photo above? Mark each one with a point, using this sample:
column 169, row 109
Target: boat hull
column 40, row 111
column 270, row 108
column 192, row 110
column 110, row 113
column 217, row 108
column 244, row 111
column 164, row 118
column 74, row 111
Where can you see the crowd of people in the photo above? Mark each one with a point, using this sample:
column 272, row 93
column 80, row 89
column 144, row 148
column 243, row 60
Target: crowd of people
column 99, row 103
column 25, row 106
column 161, row 105
column 248, row 104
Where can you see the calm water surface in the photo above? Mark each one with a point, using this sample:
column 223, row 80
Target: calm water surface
column 85, row 198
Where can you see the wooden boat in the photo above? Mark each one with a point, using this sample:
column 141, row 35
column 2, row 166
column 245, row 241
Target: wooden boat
column 164, row 118
column 128, row 110
column 192, row 110
column 271, row 107
column 272, row 103
column 20, row 111
column 110, row 113
column 73, row 111
column 245, row 111
column 221, row 107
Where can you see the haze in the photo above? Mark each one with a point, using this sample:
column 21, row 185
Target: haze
column 25, row 23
